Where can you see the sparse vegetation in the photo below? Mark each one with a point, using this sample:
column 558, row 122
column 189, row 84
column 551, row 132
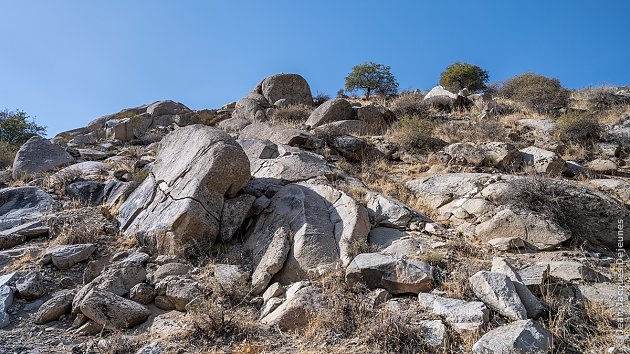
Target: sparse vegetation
column 578, row 128
column 7, row 154
column 415, row 134
column 291, row 115
column 458, row 76
column 320, row 98
column 537, row 92
column 409, row 104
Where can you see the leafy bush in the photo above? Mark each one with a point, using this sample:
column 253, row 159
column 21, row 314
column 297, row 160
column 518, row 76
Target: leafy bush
column 578, row 128
column 7, row 154
column 537, row 92
column 372, row 77
column 463, row 75
column 17, row 127
column 409, row 103
column 414, row 134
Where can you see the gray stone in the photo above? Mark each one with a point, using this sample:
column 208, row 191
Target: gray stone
column 396, row 276
column 389, row 212
column 274, row 290
column 295, row 311
column 87, row 192
column 235, row 210
column 574, row 271
column 543, row 125
column 142, row 293
column 522, row 337
column 180, row 203
column 603, row 166
column 164, row 108
column 257, row 149
column 230, row 277
column 31, row 286
column 233, row 125
column 118, row 279
column 344, row 127
column 180, row 292
column 535, row 308
column 498, row 292
column 537, row 230
column 113, row 311
column 439, row 92
column 169, row 269
column 462, row 315
column 322, row 222
column 39, row 155
column 383, row 237
column 19, row 205
column 281, row 135
column 331, row 111
column 248, row 109
column 6, row 300
column 507, row 243
column 292, row 87
column 543, row 161
column 65, row 256
column 373, row 117
column 294, row 167
column 55, row 307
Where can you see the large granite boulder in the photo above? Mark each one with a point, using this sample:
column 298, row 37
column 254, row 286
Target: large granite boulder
column 398, row 276
column 305, row 228
column 39, row 155
column 19, row 205
column 292, row 88
column 112, row 311
column 180, row 203
column 520, row 337
column 331, row 111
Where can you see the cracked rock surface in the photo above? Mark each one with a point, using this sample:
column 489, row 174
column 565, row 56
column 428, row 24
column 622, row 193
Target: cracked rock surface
column 186, row 189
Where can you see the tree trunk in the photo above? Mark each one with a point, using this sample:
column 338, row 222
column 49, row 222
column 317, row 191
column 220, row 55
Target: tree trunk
column 367, row 93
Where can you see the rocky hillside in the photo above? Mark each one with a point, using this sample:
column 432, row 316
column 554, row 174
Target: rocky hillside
column 281, row 223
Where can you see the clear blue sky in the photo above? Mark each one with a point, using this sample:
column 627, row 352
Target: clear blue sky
column 68, row 62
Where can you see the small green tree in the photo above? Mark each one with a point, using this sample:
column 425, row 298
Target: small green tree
column 17, row 127
column 372, row 78
column 463, row 75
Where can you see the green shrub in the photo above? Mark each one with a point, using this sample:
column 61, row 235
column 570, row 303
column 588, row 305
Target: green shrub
column 581, row 128
column 409, row 104
column 414, row 134
column 537, row 92
column 463, row 75
column 17, row 127
column 7, row 154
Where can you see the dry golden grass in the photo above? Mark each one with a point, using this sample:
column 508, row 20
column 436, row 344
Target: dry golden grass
column 478, row 130
column 576, row 152
column 291, row 116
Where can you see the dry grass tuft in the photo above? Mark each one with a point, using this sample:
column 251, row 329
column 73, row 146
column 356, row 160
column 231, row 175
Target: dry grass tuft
column 476, row 131
column 291, row 116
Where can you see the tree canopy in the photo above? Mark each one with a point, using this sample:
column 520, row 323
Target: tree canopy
column 463, row 75
column 372, row 78
column 16, row 127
